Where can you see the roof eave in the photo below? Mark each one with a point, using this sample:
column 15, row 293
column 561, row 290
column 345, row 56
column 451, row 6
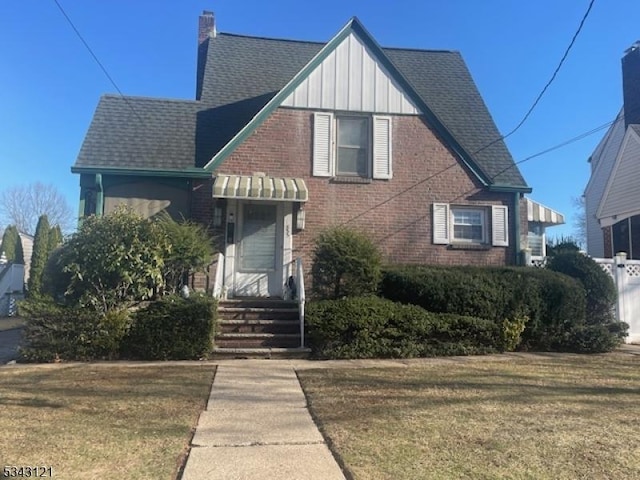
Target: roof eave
column 510, row 188
column 146, row 172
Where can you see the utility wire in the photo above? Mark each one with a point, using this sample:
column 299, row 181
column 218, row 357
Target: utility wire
column 553, row 77
column 102, row 67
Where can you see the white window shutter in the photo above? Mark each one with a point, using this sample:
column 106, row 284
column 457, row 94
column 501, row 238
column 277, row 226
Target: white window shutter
column 322, row 144
column 500, row 226
column 441, row 223
column 382, row 147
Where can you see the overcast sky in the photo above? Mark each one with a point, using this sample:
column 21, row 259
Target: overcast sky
column 50, row 84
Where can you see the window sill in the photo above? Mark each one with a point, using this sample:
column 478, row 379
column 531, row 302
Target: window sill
column 469, row 246
column 349, row 179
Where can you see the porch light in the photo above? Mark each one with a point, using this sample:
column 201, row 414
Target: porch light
column 300, row 218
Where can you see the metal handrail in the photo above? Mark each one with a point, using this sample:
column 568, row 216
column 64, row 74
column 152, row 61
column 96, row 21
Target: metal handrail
column 301, row 297
column 219, row 278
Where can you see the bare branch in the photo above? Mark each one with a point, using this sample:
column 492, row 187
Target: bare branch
column 24, row 204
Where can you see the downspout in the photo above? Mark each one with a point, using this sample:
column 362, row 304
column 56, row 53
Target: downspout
column 518, row 260
column 99, row 195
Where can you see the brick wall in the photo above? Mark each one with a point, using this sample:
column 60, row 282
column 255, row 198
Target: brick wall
column 395, row 213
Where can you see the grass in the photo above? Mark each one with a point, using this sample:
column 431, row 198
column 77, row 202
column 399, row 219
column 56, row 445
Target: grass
column 569, row 417
column 101, row 421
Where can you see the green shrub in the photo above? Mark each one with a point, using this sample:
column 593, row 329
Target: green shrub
column 346, row 263
column 596, row 338
column 189, row 249
column 55, row 278
column 114, row 261
column 598, row 285
column 12, row 245
column 371, row 327
column 56, row 333
column 39, row 256
column 172, row 328
column 548, row 304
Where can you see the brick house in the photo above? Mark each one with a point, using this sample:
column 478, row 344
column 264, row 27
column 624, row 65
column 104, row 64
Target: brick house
column 286, row 138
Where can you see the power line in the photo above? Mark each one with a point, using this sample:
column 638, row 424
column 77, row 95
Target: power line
column 553, row 77
column 102, row 67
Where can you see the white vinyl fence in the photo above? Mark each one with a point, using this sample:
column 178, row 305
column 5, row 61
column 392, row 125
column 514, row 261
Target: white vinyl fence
column 626, row 276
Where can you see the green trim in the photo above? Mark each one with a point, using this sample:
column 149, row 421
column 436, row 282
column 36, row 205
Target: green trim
column 99, row 196
column 510, row 188
column 81, row 208
column 516, row 215
column 146, row 172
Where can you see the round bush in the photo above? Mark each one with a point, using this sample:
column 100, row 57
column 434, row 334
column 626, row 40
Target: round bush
column 598, row 285
column 346, row 263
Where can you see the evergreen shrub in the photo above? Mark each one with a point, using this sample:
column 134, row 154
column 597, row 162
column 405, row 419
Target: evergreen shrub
column 172, row 328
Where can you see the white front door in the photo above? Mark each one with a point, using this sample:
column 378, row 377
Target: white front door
column 259, row 255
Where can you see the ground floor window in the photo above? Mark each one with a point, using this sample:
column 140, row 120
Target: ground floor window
column 469, row 224
column 626, row 237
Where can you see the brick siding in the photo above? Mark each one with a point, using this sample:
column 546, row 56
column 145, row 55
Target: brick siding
column 395, row 213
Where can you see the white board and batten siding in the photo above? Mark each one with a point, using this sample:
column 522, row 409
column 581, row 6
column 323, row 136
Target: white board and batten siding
column 621, row 198
column 351, row 79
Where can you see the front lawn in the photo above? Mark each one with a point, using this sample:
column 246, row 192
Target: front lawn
column 553, row 417
column 101, row 421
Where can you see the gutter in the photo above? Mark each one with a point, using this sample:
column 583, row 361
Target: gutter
column 516, row 197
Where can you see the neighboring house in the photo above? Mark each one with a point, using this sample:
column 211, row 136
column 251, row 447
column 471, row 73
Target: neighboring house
column 286, row 138
column 612, row 196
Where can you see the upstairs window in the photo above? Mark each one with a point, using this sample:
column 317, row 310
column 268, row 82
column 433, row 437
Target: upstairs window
column 353, row 156
column 352, row 145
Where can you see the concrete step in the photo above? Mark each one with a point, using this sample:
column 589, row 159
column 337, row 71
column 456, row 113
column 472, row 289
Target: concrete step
column 255, row 340
column 255, row 302
column 257, row 313
column 261, row 352
column 259, row 326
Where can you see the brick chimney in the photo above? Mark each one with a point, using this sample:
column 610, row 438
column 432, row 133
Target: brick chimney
column 631, row 84
column 206, row 30
column 206, row 26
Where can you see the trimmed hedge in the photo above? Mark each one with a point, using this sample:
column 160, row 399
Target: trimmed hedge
column 172, row 328
column 553, row 303
column 56, row 333
column 372, row 327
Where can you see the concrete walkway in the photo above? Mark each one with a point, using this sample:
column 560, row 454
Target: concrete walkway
column 257, row 426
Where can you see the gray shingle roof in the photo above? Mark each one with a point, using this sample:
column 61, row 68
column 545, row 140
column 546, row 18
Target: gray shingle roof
column 136, row 132
column 243, row 73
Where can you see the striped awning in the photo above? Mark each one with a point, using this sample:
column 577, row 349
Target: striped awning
column 539, row 213
column 260, row 187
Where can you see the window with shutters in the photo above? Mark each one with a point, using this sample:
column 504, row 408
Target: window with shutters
column 470, row 225
column 352, row 146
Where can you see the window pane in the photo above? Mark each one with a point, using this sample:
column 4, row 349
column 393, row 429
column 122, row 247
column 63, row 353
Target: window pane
column 352, row 161
column 353, row 132
column 468, row 225
column 621, row 237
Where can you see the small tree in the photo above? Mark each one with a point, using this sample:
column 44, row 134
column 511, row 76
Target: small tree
column 346, row 263
column 39, row 256
column 12, row 245
column 55, row 238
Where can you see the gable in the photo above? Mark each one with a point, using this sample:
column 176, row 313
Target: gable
column 621, row 197
column 351, row 78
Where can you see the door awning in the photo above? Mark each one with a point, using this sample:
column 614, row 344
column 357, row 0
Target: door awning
column 539, row 213
column 256, row 187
